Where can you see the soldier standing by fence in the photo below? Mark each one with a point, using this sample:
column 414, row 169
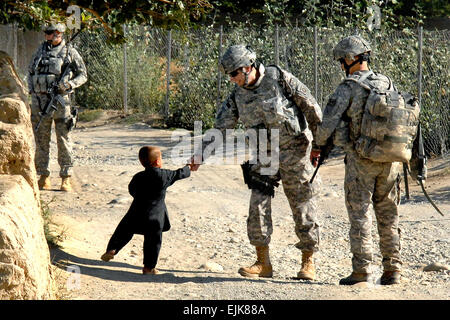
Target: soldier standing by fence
column 46, row 67
column 372, row 175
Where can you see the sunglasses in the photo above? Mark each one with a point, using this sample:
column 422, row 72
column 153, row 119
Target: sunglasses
column 49, row 32
column 234, row 73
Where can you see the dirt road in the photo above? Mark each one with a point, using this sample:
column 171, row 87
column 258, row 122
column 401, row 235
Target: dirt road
column 207, row 244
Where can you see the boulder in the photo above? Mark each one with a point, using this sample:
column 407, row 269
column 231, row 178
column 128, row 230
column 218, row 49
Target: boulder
column 25, row 268
column 10, row 83
column 16, row 132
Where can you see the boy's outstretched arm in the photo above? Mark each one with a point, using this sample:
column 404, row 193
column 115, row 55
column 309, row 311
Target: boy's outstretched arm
column 170, row 176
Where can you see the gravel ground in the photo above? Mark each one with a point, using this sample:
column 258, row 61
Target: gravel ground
column 207, row 244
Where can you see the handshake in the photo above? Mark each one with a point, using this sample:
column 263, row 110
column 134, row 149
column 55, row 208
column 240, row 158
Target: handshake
column 194, row 162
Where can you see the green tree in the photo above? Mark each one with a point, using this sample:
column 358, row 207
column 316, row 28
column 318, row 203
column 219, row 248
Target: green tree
column 110, row 14
column 395, row 13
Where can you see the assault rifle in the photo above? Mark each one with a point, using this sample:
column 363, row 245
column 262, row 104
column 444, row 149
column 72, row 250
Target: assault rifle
column 324, row 153
column 53, row 91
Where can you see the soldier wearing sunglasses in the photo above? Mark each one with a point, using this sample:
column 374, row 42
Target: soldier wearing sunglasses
column 272, row 98
column 46, row 67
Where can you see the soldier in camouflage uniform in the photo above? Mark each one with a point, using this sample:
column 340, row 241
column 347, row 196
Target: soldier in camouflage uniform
column 45, row 68
column 366, row 182
column 272, row 98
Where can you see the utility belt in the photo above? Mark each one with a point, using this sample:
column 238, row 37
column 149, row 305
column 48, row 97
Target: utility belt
column 254, row 180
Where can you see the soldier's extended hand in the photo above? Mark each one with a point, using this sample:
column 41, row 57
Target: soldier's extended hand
column 193, row 167
column 195, row 162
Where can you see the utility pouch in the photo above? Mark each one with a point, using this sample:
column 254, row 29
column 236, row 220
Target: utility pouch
column 254, row 180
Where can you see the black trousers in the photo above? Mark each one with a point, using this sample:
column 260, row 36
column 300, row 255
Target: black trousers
column 152, row 241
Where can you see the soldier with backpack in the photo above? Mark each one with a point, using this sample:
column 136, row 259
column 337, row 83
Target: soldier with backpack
column 272, row 99
column 375, row 124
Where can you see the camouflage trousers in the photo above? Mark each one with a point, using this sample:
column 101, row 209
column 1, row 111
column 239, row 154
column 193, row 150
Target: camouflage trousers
column 375, row 183
column 295, row 170
column 43, row 135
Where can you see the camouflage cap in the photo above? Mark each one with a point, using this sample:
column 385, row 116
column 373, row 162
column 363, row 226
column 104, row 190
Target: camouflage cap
column 350, row 47
column 55, row 26
column 236, row 57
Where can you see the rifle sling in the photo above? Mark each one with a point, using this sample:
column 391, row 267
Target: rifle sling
column 428, row 198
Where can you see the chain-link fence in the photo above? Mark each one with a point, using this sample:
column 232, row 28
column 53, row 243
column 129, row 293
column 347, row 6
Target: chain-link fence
column 434, row 92
column 175, row 73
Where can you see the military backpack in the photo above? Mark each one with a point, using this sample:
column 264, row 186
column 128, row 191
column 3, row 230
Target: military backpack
column 389, row 123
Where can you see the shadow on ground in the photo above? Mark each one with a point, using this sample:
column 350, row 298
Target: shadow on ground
column 105, row 270
column 440, row 195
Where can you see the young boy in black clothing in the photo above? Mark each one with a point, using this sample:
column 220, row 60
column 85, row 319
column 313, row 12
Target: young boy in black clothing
column 147, row 214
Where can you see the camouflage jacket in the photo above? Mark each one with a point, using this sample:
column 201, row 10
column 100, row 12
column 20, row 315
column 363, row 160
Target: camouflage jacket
column 278, row 100
column 49, row 62
column 344, row 111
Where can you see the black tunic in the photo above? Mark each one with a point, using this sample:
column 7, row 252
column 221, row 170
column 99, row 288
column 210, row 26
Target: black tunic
column 148, row 210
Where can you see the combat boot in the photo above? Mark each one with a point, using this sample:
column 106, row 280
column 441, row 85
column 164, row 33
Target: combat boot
column 66, row 185
column 390, row 277
column 261, row 268
column 355, row 278
column 308, row 271
column 44, row 183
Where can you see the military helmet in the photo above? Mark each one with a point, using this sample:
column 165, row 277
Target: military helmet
column 236, row 57
column 350, row 47
column 55, row 26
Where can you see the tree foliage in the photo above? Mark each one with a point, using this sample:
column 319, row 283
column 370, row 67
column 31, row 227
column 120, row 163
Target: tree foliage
column 176, row 14
column 395, row 13
column 110, row 14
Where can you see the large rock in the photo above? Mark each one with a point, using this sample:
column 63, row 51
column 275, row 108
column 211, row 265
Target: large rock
column 10, row 83
column 25, row 269
column 16, row 133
